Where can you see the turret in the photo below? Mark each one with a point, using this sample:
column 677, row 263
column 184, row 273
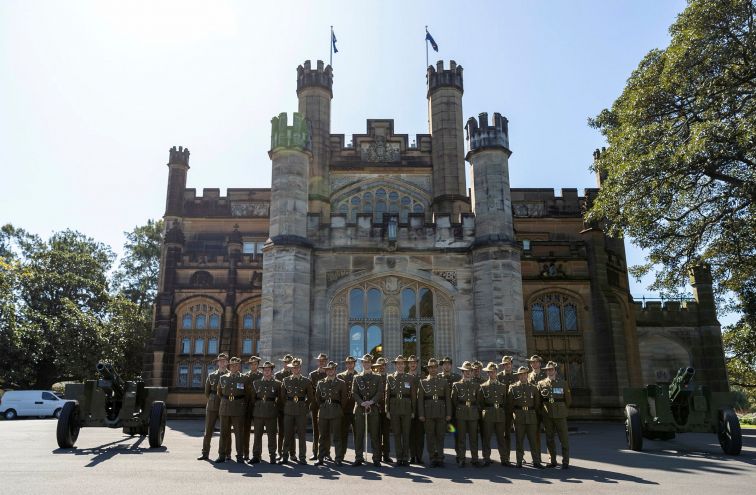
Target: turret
column 489, row 156
column 448, row 147
column 315, row 91
column 290, row 152
column 178, row 165
column 703, row 292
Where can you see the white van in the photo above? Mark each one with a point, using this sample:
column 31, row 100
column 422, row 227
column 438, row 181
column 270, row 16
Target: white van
column 41, row 403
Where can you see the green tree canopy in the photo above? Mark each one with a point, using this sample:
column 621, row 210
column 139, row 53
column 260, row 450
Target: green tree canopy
column 679, row 172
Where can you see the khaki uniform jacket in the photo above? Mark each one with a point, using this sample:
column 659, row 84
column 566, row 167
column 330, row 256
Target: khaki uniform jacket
column 331, row 396
column 506, row 378
column 348, row 378
column 534, row 377
column 401, row 394
column 211, row 390
column 282, row 374
column 494, row 401
column 434, row 398
column 366, row 387
column 522, row 396
column 555, row 397
column 451, row 378
column 316, row 376
column 466, row 398
column 480, row 380
column 266, row 395
column 297, row 395
column 233, row 391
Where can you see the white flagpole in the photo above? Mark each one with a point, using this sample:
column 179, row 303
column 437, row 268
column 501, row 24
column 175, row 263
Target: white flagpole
column 330, row 42
column 426, row 48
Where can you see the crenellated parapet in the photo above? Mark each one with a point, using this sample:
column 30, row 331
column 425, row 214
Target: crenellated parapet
column 439, row 77
column 481, row 134
column 178, row 156
column 285, row 136
column 321, row 76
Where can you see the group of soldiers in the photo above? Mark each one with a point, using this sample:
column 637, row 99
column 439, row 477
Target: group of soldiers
column 417, row 405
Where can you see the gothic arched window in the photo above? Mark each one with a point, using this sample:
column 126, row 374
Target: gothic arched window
column 554, row 313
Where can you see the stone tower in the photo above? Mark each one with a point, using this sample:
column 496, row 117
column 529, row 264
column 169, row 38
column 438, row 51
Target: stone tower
column 448, row 147
column 178, row 165
column 287, row 259
column 497, row 276
column 315, row 91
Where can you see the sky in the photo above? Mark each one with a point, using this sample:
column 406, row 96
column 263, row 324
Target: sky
column 94, row 93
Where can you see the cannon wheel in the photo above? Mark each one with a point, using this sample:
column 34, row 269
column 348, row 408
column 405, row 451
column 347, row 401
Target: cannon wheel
column 157, row 424
column 728, row 430
column 633, row 428
column 68, row 425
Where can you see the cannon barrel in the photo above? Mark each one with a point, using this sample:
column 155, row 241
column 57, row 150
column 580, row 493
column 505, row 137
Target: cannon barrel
column 106, row 370
column 680, row 384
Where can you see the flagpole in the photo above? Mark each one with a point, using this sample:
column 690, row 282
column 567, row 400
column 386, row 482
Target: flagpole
column 426, row 49
column 330, row 43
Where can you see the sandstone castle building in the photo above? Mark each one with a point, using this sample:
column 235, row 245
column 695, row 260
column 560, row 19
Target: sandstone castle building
column 375, row 244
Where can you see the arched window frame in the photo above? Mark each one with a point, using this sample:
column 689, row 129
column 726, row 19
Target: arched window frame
column 549, row 314
column 194, row 310
column 249, row 320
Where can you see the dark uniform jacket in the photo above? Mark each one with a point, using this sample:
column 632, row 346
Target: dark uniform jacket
column 211, row 390
column 297, row 395
column 434, row 398
column 506, row 378
column 265, row 397
column 348, row 378
column 524, row 400
column 465, row 398
column 366, row 387
column 233, row 389
column 316, row 376
column 493, row 396
column 331, row 395
column 282, row 374
column 555, row 397
column 451, row 377
column 534, row 377
column 401, row 393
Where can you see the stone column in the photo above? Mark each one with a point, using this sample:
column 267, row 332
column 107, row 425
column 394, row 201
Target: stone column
column 497, row 275
column 287, row 261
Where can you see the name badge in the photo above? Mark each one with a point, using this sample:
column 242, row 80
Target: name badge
column 407, row 385
column 558, row 390
column 240, row 386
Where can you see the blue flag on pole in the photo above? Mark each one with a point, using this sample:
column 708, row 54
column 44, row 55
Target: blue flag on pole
column 333, row 42
column 428, row 37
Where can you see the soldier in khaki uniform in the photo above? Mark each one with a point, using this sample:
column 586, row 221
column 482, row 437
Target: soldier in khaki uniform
column 232, row 389
column 366, row 391
column 330, row 395
column 347, row 376
column 555, row 401
column 252, row 375
column 476, row 376
column 280, row 375
column 465, row 398
column 434, row 410
column 452, row 377
column 524, row 401
column 385, row 421
column 417, row 430
column 401, row 396
column 494, row 404
column 266, row 393
column 315, row 376
column 536, row 375
column 213, row 404
column 507, row 377
column 296, row 394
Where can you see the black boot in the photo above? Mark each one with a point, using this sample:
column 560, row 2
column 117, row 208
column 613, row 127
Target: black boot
column 220, row 459
column 203, row 457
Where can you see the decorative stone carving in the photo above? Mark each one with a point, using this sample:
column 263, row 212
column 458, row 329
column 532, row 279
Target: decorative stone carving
column 391, row 285
column 527, row 210
column 335, row 275
column 201, row 279
column 380, row 151
column 250, row 210
column 551, row 270
column 448, row 275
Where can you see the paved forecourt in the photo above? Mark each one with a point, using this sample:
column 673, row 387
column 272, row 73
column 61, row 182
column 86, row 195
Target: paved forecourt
column 106, row 461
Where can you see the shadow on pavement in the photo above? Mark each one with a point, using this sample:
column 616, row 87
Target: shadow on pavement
column 101, row 453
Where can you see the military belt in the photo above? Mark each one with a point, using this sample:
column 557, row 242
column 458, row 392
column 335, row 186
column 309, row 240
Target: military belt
column 331, row 401
column 267, row 399
column 522, row 408
column 296, row 398
column 233, row 397
column 435, row 397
